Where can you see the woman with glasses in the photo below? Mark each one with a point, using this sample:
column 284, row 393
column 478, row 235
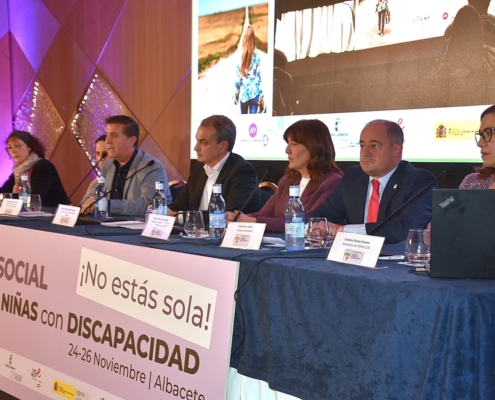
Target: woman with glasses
column 28, row 154
column 484, row 177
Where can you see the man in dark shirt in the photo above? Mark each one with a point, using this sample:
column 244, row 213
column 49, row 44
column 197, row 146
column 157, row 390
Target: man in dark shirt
column 215, row 139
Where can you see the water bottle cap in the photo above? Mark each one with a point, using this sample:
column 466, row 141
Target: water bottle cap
column 294, row 191
column 101, row 179
column 158, row 185
column 24, row 177
column 217, row 188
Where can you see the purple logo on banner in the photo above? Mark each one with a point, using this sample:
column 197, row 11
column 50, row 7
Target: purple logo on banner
column 253, row 130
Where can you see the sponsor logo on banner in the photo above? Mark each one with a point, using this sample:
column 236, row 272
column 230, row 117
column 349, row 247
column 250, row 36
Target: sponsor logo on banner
column 36, row 375
column 10, row 365
column 64, row 389
column 15, row 376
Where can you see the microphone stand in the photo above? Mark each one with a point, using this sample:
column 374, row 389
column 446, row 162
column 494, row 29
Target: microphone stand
column 151, row 162
column 104, row 154
column 267, row 170
column 243, row 207
column 412, row 199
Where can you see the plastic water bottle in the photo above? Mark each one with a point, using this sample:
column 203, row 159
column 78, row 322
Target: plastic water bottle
column 24, row 191
column 159, row 201
column 294, row 221
column 101, row 206
column 216, row 210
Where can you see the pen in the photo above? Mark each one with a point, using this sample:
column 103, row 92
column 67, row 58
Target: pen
column 391, row 258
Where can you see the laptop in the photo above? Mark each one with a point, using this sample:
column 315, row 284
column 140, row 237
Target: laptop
column 463, row 234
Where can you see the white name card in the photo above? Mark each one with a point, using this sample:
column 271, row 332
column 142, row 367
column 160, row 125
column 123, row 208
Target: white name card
column 11, row 206
column 158, row 226
column 243, row 235
column 356, row 249
column 66, row 215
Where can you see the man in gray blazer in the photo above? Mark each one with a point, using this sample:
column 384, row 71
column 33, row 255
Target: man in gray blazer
column 129, row 194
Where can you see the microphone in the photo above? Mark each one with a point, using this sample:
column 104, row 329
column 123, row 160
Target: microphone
column 267, row 170
column 93, row 168
column 449, row 169
column 150, row 163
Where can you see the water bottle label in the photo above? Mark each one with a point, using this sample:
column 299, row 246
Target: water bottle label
column 294, row 228
column 217, row 220
column 161, row 210
column 24, row 197
column 102, row 205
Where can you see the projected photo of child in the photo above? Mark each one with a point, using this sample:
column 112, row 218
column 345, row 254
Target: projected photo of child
column 232, row 59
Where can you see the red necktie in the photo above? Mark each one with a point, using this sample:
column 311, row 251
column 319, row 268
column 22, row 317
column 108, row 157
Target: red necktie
column 374, row 203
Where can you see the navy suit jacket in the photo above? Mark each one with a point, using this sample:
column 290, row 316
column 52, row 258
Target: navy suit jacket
column 238, row 179
column 347, row 203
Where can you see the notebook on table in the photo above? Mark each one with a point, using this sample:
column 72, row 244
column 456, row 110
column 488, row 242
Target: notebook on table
column 463, row 234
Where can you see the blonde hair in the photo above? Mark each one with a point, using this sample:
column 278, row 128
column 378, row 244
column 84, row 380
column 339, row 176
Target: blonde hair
column 248, row 45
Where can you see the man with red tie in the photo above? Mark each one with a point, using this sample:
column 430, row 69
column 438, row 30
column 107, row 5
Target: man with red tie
column 373, row 190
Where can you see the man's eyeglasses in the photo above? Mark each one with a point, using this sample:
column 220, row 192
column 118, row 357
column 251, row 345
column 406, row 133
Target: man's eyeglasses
column 486, row 134
column 15, row 146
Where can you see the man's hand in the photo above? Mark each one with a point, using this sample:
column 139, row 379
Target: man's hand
column 87, row 207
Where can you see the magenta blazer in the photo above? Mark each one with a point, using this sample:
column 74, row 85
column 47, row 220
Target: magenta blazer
column 273, row 213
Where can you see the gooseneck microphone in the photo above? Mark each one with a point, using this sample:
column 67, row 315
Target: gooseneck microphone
column 267, row 170
column 449, row 169
column 93, row 168
column 150, row 163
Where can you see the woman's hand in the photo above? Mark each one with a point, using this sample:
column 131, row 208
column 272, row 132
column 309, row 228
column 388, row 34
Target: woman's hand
column 242, row 217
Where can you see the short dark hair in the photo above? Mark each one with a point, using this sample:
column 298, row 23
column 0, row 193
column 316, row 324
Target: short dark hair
column 489, row 110
column 224, row 128
column 31, row 141
column 394, row 131
column 131, row 127
column 102, row 138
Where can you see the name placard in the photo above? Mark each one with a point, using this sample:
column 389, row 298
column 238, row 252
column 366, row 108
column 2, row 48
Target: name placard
column 243, row 235
column 356, row 249
column 158, row 226
column 66, row 215
column 11, row 207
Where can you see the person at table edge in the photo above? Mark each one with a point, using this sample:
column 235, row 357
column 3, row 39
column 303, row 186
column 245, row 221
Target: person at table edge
column 215, row 140
column 128, row 197
column 381, row 183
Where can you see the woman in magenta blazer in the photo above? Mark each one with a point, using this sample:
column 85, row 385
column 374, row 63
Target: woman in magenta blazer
column 311, row 166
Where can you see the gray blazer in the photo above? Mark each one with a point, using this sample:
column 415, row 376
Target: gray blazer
column 139, row 190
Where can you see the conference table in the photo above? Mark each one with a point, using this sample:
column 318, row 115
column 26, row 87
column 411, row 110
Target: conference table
column 318, row 329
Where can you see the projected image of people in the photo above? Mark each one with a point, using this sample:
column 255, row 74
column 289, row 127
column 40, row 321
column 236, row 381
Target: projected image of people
column 383, row 12
column 232, row 47
column 465, row 51
column 248, row 91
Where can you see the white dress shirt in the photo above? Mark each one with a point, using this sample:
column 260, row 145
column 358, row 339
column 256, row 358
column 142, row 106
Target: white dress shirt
column 212, row 174
column 361, row 228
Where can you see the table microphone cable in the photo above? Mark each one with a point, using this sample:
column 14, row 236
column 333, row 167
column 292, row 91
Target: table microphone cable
column 236, row 293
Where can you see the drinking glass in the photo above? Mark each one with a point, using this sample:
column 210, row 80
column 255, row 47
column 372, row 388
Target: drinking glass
column 194, row 225
column 318, row 235
column 34, row 202
column 5, row 196
column 418, row 247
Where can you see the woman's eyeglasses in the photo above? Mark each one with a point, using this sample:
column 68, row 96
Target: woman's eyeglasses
column 486, row 134
column 15, row 146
